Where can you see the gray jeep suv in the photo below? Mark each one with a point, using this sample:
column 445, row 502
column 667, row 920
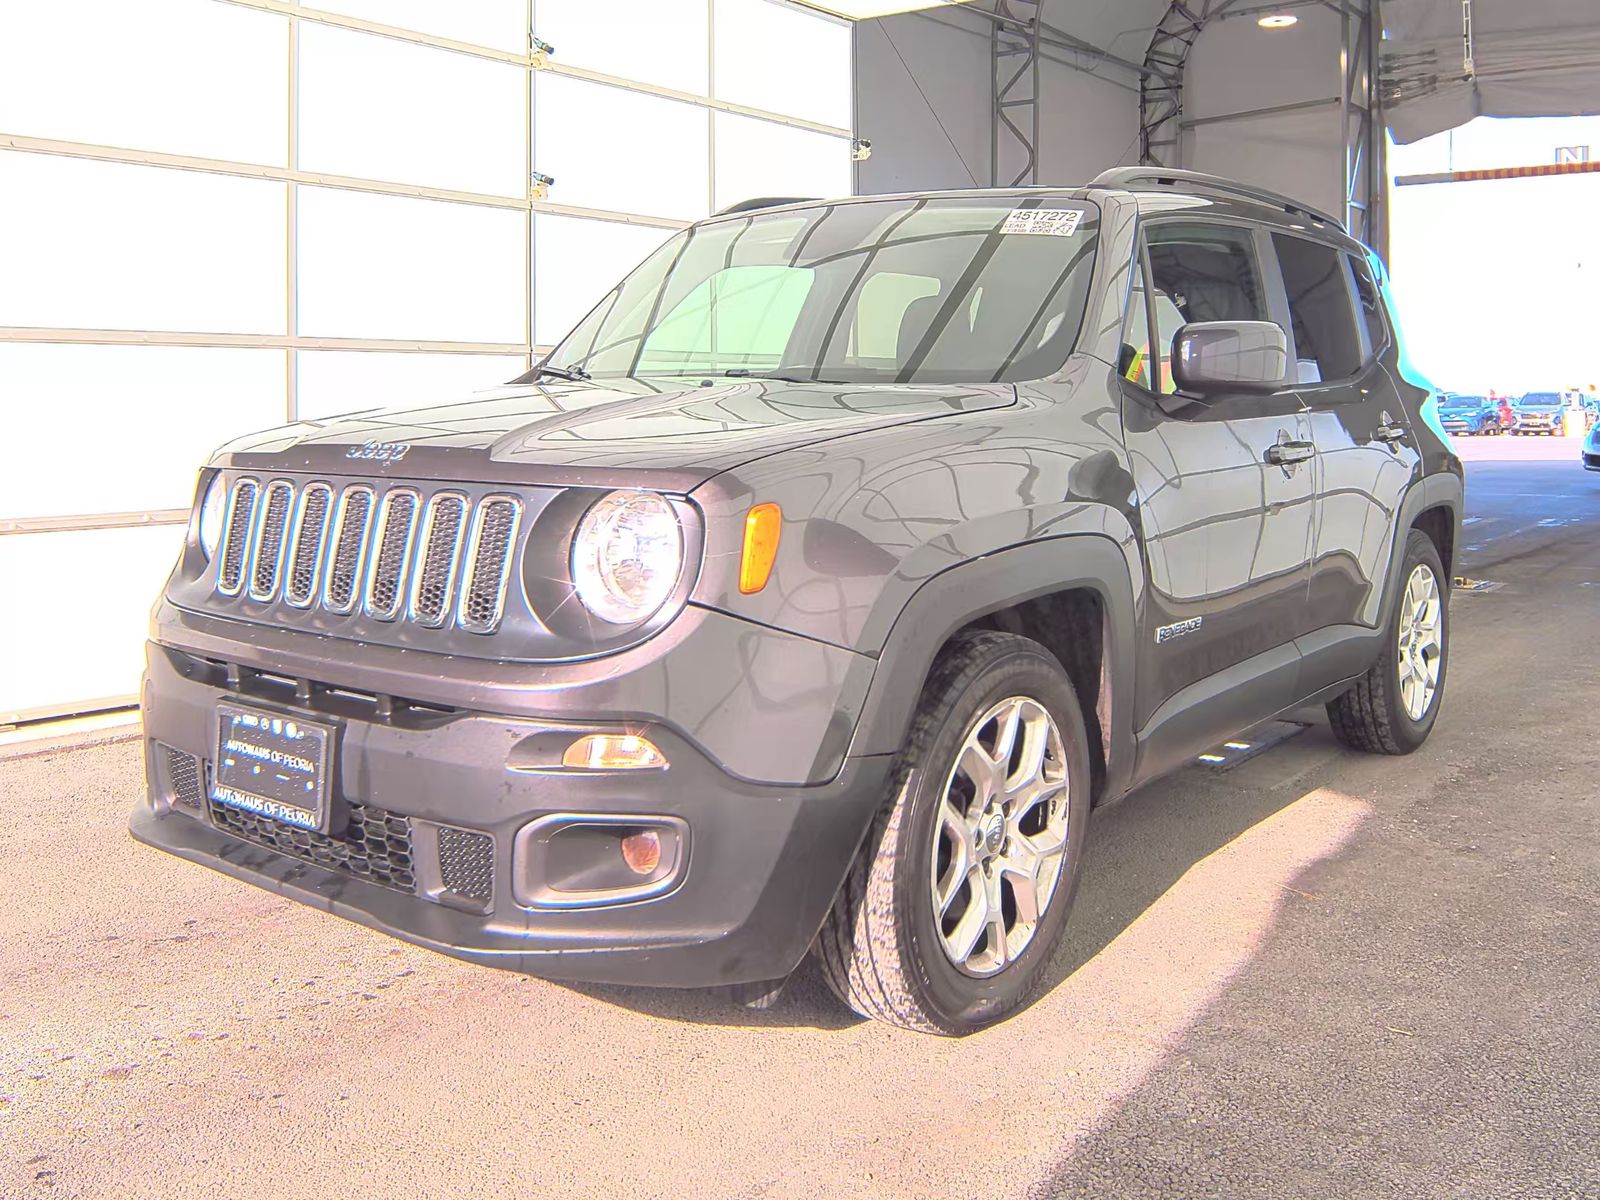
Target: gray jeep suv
column 809, row 594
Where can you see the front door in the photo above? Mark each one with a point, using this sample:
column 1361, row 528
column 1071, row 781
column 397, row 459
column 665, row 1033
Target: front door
column 1225, row 492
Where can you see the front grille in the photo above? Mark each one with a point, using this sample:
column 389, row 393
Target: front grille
column 466, row 863
column 376, row 845
column 394, row 555
column 183, row 770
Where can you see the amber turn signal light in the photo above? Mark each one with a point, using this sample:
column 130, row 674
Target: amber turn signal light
column 762, row 526
column 614, row 752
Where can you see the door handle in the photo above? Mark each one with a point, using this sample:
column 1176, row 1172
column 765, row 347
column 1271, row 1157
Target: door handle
column 1286, row 454
column 1389, row 430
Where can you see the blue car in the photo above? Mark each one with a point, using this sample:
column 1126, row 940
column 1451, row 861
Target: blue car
column 1591, row 449
column 1468, row 414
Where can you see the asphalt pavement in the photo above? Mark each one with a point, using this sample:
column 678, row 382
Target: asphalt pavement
column 1317, row 974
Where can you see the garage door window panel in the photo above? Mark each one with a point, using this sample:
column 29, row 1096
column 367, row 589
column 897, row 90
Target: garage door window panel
column 378, row 108
column 655, row 41
column 1327, row 342
column 762, row 158
column 782, row 59
column 395, row 267
column 622, row 151
column 502, row 24
column 96, row 245
column 182, row 77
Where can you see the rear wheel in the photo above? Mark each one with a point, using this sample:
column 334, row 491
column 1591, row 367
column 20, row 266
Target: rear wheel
column 955, row 905
column 1391, row 709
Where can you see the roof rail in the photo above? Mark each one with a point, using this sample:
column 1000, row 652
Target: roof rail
column 1131, row 179
column 764, row 202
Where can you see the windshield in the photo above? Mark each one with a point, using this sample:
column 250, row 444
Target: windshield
column 953, row 290
column 1541, row 400
column 1462, row 402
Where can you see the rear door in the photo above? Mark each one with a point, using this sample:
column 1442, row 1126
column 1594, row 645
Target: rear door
column 1227, row 530
column 1366, row 450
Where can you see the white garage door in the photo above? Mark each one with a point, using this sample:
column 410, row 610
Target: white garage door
column 220, row 215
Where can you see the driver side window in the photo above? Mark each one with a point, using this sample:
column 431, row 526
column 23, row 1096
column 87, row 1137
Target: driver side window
column 1197, row 272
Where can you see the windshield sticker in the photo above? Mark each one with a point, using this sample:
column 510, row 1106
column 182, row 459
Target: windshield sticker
column 1052, row 222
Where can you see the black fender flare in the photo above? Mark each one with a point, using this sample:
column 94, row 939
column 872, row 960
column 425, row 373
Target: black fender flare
column 956, row 597
column 1442, row 489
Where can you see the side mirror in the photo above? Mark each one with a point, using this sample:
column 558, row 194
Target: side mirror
column 1210, row 357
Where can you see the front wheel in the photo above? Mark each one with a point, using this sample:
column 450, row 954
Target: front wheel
column 1391, row 709
column 956, row 902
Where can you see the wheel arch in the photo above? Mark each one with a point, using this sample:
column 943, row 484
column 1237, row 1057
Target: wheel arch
column 1081, row 580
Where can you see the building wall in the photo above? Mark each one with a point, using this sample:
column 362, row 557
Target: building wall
column 939, row 135
column 1236, row 66
column 221, row 216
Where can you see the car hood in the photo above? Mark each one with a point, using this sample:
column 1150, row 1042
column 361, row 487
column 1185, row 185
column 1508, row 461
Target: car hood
column 629, row 432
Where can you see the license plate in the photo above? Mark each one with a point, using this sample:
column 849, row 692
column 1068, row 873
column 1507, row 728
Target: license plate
column 272, row 765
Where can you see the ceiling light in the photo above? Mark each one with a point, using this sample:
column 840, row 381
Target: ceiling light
column 861, row 10
column 1278, row 21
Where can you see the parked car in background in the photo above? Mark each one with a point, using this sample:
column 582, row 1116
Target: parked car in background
column 1591, row 449
column 1468, row 414
column 1539, row 412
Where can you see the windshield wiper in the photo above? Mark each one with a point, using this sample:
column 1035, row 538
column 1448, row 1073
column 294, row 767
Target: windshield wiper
column 570, row 374
column 747, row 373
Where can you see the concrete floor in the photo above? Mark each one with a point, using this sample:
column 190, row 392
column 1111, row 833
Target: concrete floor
column 1321, row 974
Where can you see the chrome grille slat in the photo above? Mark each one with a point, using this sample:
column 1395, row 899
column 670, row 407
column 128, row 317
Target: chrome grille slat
column 237, row 526
column 352, row 526
column 269, row 539
column 307, row 543
column 397, row 522
column 488, row 563
column 439, row 549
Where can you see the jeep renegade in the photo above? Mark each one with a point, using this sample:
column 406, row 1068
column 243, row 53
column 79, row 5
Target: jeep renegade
column 809, row 595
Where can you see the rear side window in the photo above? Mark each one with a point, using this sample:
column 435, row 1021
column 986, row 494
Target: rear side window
column 1370, row 304
column 1327, row 344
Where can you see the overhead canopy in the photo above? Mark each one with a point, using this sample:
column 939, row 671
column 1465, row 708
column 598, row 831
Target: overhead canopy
column 1530, row 58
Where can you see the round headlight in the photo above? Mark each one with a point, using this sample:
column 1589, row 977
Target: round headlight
column 212, row 510
column 627, row 556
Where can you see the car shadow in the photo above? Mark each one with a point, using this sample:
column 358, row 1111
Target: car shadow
column 1137, row 850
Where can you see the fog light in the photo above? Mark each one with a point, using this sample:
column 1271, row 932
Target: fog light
column 614, row 752
column 642, row 851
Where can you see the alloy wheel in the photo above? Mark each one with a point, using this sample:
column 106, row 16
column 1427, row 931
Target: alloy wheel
column 1001, row 836
column 1421, row 641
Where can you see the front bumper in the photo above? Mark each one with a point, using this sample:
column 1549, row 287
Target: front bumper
column 763, row 861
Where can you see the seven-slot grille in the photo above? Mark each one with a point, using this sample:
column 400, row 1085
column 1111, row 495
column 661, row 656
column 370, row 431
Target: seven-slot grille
column 396, row 555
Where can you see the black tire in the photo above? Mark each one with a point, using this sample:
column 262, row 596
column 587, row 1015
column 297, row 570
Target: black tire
column 1371, row 716
column 880, row 949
